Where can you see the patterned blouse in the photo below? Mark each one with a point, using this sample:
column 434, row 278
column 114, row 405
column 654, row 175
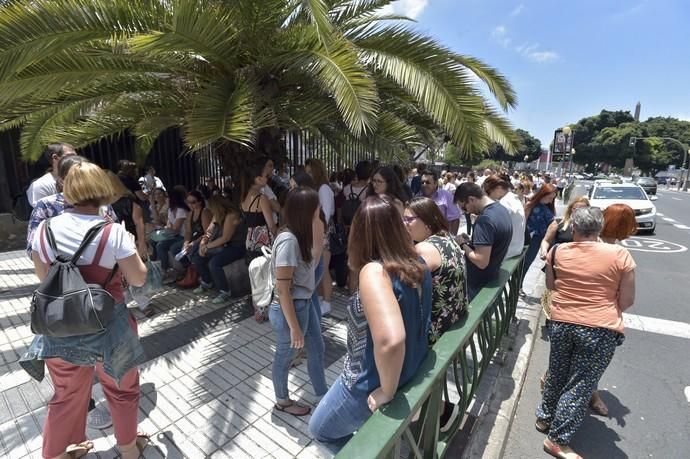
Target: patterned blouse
column 449, row 289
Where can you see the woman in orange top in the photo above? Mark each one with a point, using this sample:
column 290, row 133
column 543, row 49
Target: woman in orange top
column 586, row 325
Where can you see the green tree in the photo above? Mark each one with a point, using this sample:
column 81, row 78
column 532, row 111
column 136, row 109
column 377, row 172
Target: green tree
column 529, row 146
column 236, row 74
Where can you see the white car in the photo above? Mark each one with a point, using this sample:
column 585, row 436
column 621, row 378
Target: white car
column 603, row 195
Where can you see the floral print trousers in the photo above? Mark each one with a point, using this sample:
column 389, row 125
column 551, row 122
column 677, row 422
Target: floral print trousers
column 579, row 356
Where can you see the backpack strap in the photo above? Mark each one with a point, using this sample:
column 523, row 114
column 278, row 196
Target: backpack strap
column 88, row 238
column 101, row 244
column 50, row 237
column 553, row 260
column 359, row 195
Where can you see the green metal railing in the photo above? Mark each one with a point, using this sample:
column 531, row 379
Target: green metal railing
column 461, row 355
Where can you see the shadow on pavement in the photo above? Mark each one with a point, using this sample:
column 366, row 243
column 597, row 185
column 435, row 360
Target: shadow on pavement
column 596, row 439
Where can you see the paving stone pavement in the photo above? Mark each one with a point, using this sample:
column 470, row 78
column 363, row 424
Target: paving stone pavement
column 206, row 387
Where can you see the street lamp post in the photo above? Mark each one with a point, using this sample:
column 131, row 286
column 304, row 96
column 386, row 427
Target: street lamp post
column 685, row 174
column 570, row 173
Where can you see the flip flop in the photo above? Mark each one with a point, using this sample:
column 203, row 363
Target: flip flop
column 293, row 408
column 75, row 451
column 560, row 451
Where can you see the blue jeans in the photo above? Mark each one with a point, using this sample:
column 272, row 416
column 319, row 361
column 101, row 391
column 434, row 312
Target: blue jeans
column 318, row 275
column 162, row 249
column 532, row 251
column 338, row 416
column 310, row 323
column 210, row 267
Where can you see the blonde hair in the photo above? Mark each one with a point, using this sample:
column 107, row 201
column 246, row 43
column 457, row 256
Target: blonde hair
column 119, row 188
column 220, row 208
column 571, row 207
column 86, row 184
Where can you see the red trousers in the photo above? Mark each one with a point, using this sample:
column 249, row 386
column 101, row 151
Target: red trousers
column 67, row 410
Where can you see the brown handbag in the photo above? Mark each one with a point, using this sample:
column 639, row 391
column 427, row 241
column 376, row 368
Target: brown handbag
column 190, row 279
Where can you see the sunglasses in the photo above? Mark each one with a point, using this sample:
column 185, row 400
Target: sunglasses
column 407, row 220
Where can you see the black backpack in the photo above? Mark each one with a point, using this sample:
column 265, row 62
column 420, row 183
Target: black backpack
column 64, row 304
column 350, row 206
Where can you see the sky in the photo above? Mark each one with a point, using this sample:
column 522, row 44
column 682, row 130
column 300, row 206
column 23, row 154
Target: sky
column 570, row 60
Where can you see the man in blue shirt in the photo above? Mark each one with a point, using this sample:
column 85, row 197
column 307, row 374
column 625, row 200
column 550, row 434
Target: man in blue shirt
column 442, row 198
column 491, row 236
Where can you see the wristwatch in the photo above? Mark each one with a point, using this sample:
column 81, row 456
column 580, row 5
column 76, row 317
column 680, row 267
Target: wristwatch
column 464, row 243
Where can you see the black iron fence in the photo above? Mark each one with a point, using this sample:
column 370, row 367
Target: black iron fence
column 173, row 163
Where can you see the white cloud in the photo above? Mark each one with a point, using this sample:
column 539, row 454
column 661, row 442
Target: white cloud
column 409, row 8
column 500, row 35
column 518, row 9
column 543, row 56
column 530, row 51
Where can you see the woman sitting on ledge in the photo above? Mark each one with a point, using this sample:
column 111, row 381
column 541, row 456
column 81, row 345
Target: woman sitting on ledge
column 222, row 244
column 388, row 323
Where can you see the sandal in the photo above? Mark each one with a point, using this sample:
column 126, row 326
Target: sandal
column 597, row 405
column 542, row 426
column 560, row 451
column 141, row 442
column 75, row 451
column 293, row 408
column 261, row 315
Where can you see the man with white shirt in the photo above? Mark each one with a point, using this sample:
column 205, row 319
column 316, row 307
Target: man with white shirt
column 46, row 184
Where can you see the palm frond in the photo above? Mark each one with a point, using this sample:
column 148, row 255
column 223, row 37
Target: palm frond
column 494, row 80
column 318, row 13
column 222, row 111
column 500, row 131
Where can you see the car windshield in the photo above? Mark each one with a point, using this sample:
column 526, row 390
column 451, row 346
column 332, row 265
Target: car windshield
column 619, row 192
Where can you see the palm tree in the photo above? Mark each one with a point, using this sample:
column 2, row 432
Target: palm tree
column 235, row 74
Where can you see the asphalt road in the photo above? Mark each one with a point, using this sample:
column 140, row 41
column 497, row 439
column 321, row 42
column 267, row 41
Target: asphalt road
column 647, row 385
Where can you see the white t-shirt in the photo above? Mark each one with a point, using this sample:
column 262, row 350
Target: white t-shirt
column 173, row 217
column 327, row 201
column 449, row 187
column 268, row 192
column 40, row 188
column 349, row 189
column 517, row 217
column 69, row 230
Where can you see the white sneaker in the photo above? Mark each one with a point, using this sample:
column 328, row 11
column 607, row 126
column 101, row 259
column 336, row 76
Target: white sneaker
column 325, row 307
column 99, row 417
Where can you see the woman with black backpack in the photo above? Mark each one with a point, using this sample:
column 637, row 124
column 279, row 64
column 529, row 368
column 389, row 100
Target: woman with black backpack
column 113, row 353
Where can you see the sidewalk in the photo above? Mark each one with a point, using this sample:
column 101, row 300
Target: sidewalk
column 206, row 386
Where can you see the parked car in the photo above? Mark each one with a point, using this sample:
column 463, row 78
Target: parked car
column 603, row 194
column 661, row 180
column 648, row 184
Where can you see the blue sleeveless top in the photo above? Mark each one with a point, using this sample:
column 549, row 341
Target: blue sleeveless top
column 359, row 371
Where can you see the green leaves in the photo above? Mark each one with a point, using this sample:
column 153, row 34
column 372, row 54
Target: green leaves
column 80, row 70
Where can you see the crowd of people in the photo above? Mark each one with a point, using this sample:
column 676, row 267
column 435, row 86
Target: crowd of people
column 413, row 247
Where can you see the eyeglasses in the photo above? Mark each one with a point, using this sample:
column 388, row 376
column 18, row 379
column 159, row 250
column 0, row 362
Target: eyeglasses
column 407, row 219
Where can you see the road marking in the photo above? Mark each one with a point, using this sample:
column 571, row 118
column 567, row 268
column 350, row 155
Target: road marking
column 666, row 219
column 682, row 226
column 677, row 199
column 687, row 394
column 659, row 326
column 646, row 244
column 660, row 214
